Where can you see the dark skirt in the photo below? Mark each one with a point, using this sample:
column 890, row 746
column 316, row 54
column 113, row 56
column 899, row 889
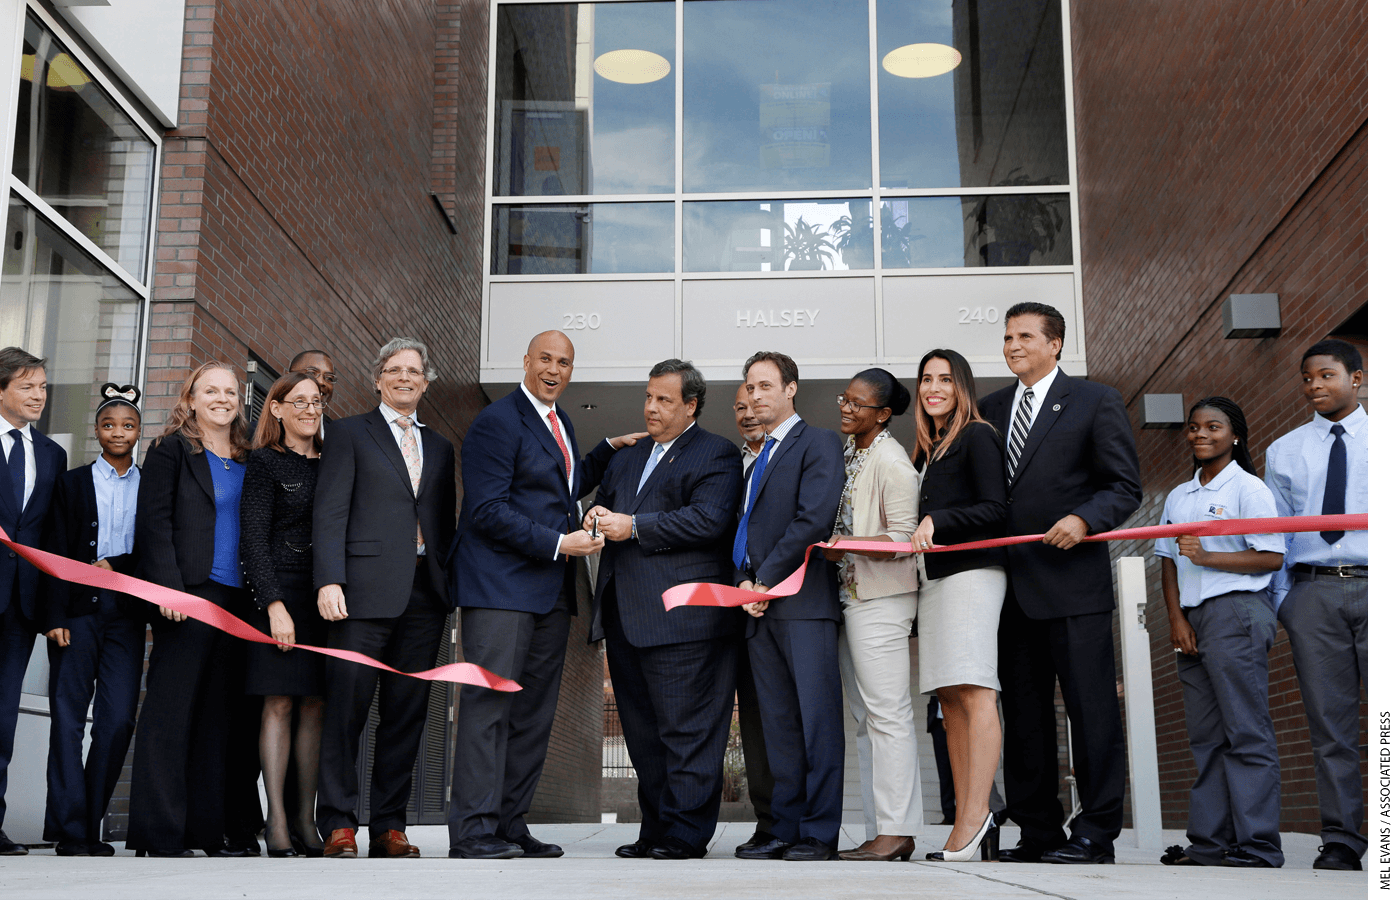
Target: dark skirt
column 290, row 673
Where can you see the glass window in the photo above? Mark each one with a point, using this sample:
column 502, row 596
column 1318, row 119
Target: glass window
column 585, row 99
column 777, row 235
column 80, row 152
column 995, row 116
column 777, row 95
column 60, row 304
column 991, row 230
column 574, row 239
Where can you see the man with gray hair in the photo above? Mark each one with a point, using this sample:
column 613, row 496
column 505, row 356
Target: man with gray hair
column 667, row 508
column 381, row 525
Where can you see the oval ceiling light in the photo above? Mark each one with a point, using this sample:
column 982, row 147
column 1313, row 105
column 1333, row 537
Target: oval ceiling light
column 921, row 60
column 632, row 66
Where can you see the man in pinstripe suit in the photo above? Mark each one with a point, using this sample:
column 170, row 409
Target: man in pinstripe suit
column 666, row 506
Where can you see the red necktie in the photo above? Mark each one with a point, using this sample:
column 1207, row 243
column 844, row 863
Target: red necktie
column 559, row 436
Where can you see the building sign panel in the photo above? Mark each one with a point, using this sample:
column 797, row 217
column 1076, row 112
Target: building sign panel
column 807, row 318
column 965, row 313
column 609, row 322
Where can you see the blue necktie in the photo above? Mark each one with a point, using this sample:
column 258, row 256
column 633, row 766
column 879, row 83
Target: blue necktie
column 656, row 453
column 1334, row 494
column 741, row 537
column 16, row 463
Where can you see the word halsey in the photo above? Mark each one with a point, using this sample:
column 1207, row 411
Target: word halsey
column 776, row 318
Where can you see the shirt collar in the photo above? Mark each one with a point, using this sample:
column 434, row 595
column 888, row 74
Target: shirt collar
column 392, row 415
column 777, row 434
column 1041, row 387
column 538, row 404
column 666, row 447
column 1226, row 476
column 1352, row 423
column 26, row 429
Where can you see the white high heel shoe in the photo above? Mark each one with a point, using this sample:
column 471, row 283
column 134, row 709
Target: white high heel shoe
column 987, row 839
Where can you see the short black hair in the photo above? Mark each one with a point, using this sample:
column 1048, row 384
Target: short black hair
column 692, row 382
column 1052, row 320
column 787, row 369
column 14, row 360
column 1342, row 351
column 296, row 360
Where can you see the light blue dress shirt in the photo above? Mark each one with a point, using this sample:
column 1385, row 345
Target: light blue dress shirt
column 116, row 508
column 1297, row 475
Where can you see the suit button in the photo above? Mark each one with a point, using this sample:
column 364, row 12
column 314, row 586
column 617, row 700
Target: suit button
column 12, row 554
column 94, row 524
column 94, row 599
column 92, row 543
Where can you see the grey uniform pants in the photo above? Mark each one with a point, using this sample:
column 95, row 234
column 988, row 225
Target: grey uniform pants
column 1235, row 800
column 1325, row 616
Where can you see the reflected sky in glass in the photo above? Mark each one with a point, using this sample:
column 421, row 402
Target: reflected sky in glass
column 561, row 128
column 777, row 235
column 961, row 232
column 569, row 239
column 777, row 95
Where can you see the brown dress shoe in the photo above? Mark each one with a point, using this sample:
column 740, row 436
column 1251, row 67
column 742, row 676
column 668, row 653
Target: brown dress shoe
column 342, row 844
column 885, row 848
column 393, row 845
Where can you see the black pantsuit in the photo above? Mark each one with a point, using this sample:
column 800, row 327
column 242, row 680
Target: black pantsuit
column 409, row 643
column 527, row 648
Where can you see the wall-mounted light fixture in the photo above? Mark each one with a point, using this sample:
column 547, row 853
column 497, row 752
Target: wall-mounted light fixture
column 1162, row 411
column 1251, row 316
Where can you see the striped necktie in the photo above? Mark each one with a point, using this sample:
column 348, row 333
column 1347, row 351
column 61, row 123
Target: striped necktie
column 1019, row 429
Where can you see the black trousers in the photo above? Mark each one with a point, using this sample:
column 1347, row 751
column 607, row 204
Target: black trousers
column 101, row 665
column 502, row 737
column 178, row 776
column 16, row 644
column 409, row 643
column 757, row 776
column 1078, row 651
column 675, row 703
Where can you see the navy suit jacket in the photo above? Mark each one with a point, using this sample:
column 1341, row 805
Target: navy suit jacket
column 71, row 530
column 18, row 579
column 796, row 505
column 1080, row 458
column 685, row 532
column 365, row 519
column 516, row 502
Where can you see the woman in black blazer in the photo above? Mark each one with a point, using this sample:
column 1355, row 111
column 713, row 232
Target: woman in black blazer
column 962, row 498
column 276, row 547
column 187, row 526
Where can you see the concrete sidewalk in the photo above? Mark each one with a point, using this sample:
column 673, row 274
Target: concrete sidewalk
column 589, row 869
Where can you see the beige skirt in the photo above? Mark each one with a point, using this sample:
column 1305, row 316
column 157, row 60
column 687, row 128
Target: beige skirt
column 958, row 619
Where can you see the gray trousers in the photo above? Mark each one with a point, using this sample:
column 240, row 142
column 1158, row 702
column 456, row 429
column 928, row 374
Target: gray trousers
column 1325, row 616
column 1236, row 798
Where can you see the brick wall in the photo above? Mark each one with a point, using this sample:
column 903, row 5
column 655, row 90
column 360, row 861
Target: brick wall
column 1222, row 148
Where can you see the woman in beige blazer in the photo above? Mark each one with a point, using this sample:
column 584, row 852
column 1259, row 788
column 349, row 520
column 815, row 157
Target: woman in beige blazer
column 879, row 599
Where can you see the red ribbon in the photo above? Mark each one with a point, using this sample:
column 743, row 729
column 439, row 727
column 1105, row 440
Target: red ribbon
column 702, row 594
column 213, row 615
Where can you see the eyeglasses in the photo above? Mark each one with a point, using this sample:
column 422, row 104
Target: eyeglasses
column 303, row 404
column 842, row 402
column 327, row 377
column 396, row 371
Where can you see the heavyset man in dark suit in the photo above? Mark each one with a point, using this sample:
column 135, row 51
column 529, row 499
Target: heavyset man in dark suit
column 666, row 506
column 381, row 526
column 790, row 500
column 1072, row 469
column 30, row 464
column 513, row 575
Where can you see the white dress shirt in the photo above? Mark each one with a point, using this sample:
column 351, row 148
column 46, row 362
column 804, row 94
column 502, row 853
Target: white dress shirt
column 392, row 416
column 1041, row 388
column 7, row 439
column 777, row 435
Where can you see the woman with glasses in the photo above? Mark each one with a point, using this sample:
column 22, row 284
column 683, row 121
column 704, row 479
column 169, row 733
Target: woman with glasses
column 276, row 546
column 879, row 597
column 962, row 498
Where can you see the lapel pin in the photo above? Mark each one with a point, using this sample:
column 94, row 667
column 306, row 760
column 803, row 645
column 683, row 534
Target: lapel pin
column 1055, row 408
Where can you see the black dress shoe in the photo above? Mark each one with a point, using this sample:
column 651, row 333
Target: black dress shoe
column 535, row 849
column 674, row 848
column 485, row 846
column 99, row 848
column 1024, row 852
column 9, row 847
column 809, row 849
column 759, row 838
column 1334, row 855
column 284, row 853
column 1081, row 851
column 72, row 848
column 1239, row 858
column 773, row 849
column 638, row 849
column 166, row 854
column 999, row 817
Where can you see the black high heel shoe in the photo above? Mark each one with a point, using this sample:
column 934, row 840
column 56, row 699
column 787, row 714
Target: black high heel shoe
column 166, row 854
column 284, row 853
column 305, row 849
column 987, row 840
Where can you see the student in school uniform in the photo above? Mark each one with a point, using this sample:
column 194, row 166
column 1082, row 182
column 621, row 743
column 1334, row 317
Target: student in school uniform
column 97, row 637
column 1222, row 626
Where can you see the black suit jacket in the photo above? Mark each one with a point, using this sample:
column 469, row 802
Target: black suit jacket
column 175, row 515
column 685, row 532
column 71, row 530
column 1080, row 458
column 964, row 493
column 365, row 517
column 26, row 526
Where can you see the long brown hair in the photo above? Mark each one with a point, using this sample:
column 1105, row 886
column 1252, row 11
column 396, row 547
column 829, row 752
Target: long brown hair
column 271, row 432
column 927, row 444
column 183, row 423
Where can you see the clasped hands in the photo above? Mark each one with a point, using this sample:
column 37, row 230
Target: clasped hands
column 611, row 525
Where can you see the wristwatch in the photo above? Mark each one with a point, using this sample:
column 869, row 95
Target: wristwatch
column 634, row 528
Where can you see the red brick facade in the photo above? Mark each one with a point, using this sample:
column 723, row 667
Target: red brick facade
column 1222, row 148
